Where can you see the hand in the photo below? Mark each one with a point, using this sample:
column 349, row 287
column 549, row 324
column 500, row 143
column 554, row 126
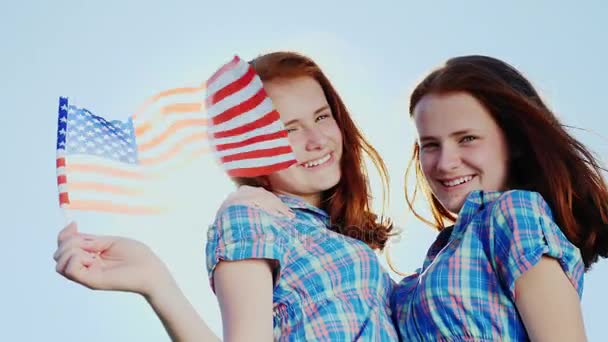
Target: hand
column 109, row 262
column 260, row 198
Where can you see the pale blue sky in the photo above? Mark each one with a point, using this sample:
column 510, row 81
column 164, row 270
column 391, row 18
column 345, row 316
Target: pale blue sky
column 110, row 55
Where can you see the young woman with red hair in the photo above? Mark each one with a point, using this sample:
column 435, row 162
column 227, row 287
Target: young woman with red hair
column 311, row 276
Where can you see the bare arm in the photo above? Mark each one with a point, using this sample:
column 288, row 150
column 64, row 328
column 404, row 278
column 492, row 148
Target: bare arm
column 548, row 304
column 119, row 264
column 180, row 319
column 244, row 291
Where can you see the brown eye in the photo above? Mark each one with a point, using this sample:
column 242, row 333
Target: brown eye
column 468, row 138
column 428, row 146
column 322, row 117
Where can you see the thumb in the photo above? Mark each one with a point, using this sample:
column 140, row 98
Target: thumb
column 68, row 231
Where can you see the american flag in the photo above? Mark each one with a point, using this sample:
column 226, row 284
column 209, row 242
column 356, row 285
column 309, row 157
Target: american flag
column 245, row 129
column 109, row 166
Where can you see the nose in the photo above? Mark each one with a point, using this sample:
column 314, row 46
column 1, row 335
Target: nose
column 315, row 139
column 448, row 159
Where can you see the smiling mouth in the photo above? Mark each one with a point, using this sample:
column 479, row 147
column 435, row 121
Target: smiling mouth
column 456, row 181
column 317, row 162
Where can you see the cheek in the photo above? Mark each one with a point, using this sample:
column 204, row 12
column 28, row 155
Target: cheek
column 426, row 162
column 332, row 131
column 297, row 144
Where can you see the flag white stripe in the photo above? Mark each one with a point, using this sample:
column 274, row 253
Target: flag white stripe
column 153, row 109
column 257, row 162
column 227, row 77
column 158, row 128
column 99, row 161
column 254, row 147
column 274, row 127
column 236, row 98
column 170, row 142
column 256, row 113
column 182, row 155
column 132, row 201
column 89, row 177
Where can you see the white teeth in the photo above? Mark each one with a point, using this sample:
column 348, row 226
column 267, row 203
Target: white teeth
column 458, row 181
column 318, row 161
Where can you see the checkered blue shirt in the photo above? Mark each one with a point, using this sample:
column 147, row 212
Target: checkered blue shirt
column 465, row 290
column 328, row 287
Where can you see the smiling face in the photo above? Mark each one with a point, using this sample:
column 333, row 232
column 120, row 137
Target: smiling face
column 313, row 134
column 461, row 147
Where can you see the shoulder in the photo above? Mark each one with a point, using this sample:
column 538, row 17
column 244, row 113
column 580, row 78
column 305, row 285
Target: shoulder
column 515, row 205
column 245, row 221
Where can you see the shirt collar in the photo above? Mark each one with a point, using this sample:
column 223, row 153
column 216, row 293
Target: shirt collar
column 476, row 200
column 294, row 202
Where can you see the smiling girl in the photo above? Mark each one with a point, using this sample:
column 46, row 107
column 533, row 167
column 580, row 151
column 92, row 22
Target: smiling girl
column 528, row 203
column 311, row 276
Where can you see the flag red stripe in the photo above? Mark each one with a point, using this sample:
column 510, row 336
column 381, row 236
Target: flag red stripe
column 64, row 198
column 259, row 123
column 61, row 179
column 262, row 153
column 60, row 162
column 103, row 206
column 253, row 140
column 262, row 170
column 177, row 108
column 232, row 88
column 174, row 150
column 241, row 108
column 104, row 188
column 176, row 126
column 165, row 93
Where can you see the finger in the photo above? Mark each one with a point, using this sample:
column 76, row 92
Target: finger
column 73, row 242
column 62, row 260
column 247, row 188
column 282, row 207
column 283, row 214
column 77, row 266
column 78, row 255
column 288, row 212
column 69, row 230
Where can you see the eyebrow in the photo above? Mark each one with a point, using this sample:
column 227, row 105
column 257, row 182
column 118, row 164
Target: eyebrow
column 453, row 134
column 318, row 111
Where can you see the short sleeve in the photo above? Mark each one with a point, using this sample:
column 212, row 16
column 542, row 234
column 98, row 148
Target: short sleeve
column 240, row 232
column 522, row 230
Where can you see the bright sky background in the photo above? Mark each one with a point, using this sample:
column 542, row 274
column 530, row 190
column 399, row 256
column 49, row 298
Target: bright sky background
column 110, row 55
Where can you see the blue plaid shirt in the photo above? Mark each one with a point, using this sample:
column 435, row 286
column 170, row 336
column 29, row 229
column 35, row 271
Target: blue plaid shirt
column 328, row 287
column 465, row 290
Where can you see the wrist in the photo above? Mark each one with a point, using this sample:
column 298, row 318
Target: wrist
column 159, row 283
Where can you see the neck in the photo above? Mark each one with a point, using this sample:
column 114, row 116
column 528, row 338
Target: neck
column 312, row 199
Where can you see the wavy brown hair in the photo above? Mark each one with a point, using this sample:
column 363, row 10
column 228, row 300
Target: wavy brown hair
column 543, row 156
column 347, row 203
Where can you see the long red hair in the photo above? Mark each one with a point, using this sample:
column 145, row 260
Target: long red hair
column 544, row 157
column 348, row 203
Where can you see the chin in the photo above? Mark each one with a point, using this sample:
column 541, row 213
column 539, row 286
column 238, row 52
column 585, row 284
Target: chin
column 328, row 183
column 452, row 204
